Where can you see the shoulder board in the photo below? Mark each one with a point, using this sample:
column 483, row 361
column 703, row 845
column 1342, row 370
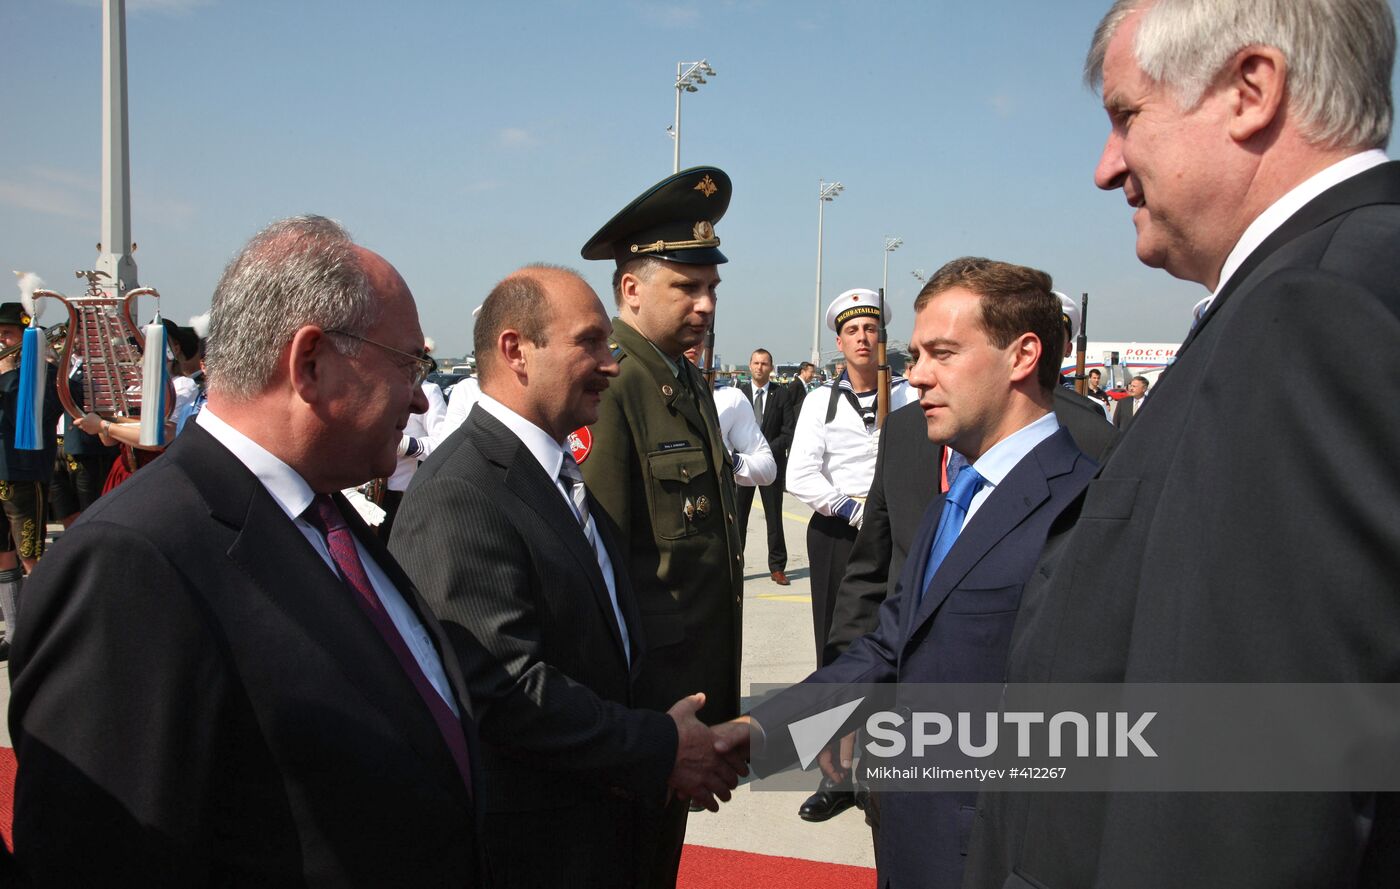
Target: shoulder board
column 618, row 353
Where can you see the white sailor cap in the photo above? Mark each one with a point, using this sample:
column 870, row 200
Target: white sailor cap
column 854, row 304
column 1069, row 312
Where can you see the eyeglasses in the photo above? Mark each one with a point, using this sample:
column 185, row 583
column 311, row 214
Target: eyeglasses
column 422, row 364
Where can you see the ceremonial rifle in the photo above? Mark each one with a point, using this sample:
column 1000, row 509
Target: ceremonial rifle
column 1081, row 381
column 709, row 371
column 882, row 369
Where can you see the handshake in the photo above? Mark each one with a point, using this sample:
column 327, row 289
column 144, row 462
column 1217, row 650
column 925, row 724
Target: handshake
column 709, row 760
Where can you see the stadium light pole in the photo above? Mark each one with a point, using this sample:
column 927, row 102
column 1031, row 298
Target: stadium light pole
column 688, row 80
column 891, row 245
column 826, row 191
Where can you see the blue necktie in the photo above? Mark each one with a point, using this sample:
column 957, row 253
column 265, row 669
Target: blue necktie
column 955, row 504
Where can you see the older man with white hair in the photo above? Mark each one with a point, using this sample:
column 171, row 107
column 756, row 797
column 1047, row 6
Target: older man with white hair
column 1235, row 538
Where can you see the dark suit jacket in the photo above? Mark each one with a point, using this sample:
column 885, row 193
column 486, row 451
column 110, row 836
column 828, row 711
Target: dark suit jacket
column 197, row 701
column 779, row 419
column 1123, row 413
column 1235, row 540
column 897, row 500
column 501, row 559
column 958, row 633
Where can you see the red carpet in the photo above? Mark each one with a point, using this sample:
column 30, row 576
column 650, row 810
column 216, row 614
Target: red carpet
column 709, row 868
column 701, row 866
column 7, row 792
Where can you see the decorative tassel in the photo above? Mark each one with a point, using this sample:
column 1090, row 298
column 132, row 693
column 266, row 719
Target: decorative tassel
column 154, row 378
column 29, row 400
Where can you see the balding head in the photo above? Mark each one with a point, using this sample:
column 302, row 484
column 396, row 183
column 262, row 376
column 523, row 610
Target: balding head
column 542, row 348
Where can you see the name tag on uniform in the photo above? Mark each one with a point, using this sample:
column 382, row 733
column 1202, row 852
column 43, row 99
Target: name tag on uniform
column 673, row 445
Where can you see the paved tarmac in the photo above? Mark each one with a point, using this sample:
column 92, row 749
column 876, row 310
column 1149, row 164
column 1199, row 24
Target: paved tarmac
column 777, row 648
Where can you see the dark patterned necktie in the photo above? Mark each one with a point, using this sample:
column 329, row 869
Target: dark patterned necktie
column 325, row 517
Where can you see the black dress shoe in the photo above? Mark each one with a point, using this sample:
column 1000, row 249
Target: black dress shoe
column 826, row 804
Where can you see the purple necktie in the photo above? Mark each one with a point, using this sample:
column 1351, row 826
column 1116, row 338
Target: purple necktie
column 324, row 516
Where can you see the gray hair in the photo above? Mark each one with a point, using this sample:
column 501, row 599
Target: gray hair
column 296, row 272
column 1340, row 54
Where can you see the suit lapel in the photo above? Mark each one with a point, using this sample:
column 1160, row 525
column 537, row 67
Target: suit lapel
column 1021, row 493
column 626, row 600
column 372, row 544
column 532, row 486
column 268, row 548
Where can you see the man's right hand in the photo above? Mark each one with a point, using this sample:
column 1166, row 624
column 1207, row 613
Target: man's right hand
column 835, row 758
column 700, row 773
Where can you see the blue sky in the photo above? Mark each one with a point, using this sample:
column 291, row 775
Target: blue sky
column 462, row 139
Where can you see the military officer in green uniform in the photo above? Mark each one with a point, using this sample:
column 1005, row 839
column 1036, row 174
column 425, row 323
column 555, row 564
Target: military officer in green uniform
column 656, row 463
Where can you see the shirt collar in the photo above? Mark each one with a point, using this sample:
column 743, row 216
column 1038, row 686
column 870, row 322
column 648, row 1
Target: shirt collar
column 546, row 451
column 284, row 483
column 1003, row 456
column 1281, row 210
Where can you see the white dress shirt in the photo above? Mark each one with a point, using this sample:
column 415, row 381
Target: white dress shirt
column 294, row 495
column 550, row 455
column 753, row 459
column 1002, row 457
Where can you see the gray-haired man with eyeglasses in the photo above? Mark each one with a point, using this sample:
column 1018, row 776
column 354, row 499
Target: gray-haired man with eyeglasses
column 225, row 678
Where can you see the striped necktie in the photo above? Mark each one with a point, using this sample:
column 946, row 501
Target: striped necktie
column 571, row 476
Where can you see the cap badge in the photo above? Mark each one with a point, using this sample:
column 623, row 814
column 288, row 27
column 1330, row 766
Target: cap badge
column 707, row 186
column 703, row 230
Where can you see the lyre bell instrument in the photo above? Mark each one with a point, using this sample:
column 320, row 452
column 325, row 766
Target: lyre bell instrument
column 104, row 339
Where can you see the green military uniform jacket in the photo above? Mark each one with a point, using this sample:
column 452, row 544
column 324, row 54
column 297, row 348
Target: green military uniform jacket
column 658, row 468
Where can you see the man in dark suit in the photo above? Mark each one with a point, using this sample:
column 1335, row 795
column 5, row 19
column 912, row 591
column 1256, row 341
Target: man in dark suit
column 774, row 408
column 1127, row 407
column 1232, row 539
column 224, row 679
column 985, row 380
column 800, row 383
column 526, row 575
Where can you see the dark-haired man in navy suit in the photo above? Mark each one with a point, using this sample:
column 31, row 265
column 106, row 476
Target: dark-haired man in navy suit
column 987, row 348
